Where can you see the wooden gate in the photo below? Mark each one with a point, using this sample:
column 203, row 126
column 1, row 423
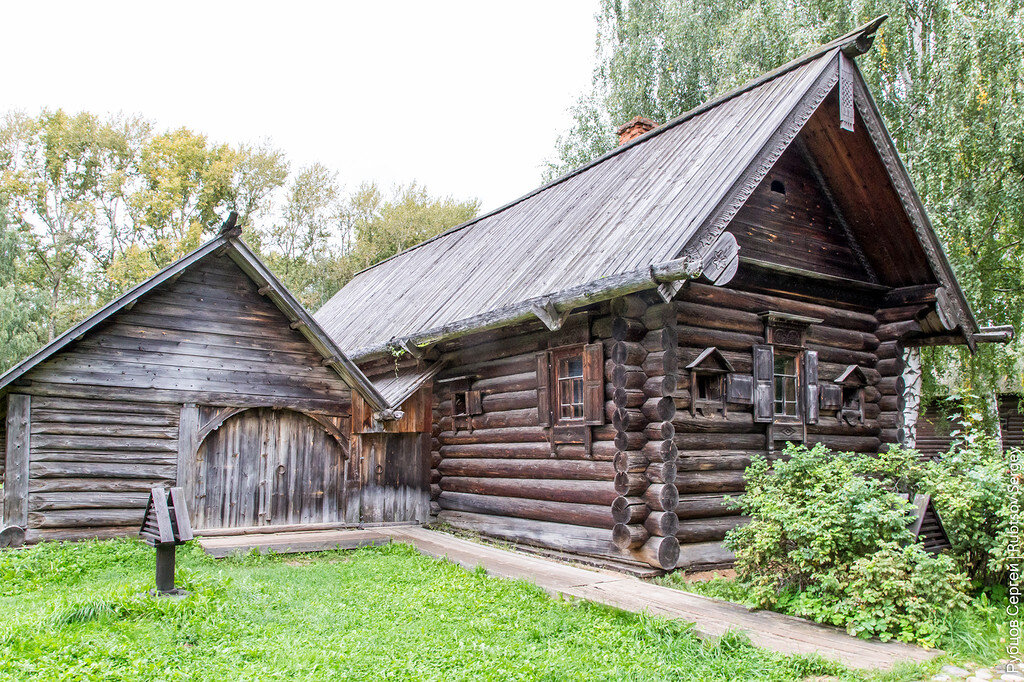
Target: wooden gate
column 265, row 466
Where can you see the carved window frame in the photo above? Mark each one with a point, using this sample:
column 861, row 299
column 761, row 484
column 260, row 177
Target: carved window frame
column 559, row 356
column 785, row 336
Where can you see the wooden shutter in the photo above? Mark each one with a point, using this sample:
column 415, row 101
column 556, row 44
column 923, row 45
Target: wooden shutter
column 474, row 402
column 764, row 383
column 740, row 389
column 810, row 376
column 543, row 388
column 593, row 384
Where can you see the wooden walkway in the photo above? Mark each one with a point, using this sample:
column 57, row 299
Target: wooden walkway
column 711, row 617
column 221, row 546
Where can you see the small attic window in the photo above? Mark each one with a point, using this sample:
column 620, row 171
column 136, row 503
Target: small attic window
column 851, row 384
column 708, row 396
column 459, row 404
column 778, row 187
column 852, row 411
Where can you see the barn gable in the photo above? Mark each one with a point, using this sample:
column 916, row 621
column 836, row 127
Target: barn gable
column 209, row 376
column 208, row 335
column 234, row 276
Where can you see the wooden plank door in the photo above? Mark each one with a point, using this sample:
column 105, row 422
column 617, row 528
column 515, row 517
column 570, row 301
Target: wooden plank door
column 394, row 477
column 269, row 467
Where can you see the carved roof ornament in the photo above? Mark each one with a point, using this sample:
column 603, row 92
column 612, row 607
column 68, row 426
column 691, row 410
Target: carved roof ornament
column 785, row 329
column 722, row 260
column 711, row 360
column 853, row 375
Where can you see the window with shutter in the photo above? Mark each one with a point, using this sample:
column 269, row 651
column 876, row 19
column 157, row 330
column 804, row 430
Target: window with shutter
column 463, row 403
column 570, row 393
column 474, row 402
column 831, row 399
column 810, row 385
column 852, row 411
column 764, row 383
column 708, row 372
column 786, row 374
column 593, row 384
column 567, row 385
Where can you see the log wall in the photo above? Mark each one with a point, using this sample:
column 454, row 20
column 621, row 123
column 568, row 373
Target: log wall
column 655, row 485
column 497, row 472
column 934, row 428
column 714, row 451
column 105, row 411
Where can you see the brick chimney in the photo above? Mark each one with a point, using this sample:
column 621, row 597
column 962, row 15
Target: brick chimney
column 635, row 128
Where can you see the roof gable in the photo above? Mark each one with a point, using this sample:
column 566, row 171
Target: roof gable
column 270, row 288
column 666, row 197
column 590, row 226
column 791, row 219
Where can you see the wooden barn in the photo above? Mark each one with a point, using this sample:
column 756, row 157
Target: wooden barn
column 603, row 356
column 212, row 377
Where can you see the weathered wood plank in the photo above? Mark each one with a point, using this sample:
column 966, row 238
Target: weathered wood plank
column 161, row 472
column 63, row 501
column 18, row 460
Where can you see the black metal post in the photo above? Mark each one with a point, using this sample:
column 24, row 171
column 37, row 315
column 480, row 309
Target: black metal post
column 165, row 568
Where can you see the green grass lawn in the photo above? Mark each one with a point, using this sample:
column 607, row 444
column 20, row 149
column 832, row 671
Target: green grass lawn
column 73, row 612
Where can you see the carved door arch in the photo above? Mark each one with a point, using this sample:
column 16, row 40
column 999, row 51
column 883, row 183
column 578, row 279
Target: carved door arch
column 263, row 466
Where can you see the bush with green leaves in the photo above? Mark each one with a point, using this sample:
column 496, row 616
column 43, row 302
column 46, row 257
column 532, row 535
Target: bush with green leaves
column 828, row 540
column 973, row 491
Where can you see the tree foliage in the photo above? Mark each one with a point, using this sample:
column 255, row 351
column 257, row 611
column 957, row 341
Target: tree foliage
column 384, row 225
column 90, row 207
column 948, row 78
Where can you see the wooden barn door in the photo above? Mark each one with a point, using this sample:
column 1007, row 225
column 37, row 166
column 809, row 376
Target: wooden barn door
column 393, row 477
column 268, row 467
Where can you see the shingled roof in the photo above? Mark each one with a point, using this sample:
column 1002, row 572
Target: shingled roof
column 666, row 195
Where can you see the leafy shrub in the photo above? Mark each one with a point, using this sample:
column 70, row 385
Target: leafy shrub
column 971, row 488
column 811, row 513
column 892, row 592
column 828, row 539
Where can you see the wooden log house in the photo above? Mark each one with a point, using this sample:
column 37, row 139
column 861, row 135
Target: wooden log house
column 604, row 355
column 587, row 369
column 934, row 432
column 209, row 376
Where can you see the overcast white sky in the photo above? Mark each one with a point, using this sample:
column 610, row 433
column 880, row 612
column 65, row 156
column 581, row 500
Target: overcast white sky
column 466, row 98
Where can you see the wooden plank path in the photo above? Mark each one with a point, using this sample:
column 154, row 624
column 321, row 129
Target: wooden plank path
column 711, row 617
column 291, row 542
